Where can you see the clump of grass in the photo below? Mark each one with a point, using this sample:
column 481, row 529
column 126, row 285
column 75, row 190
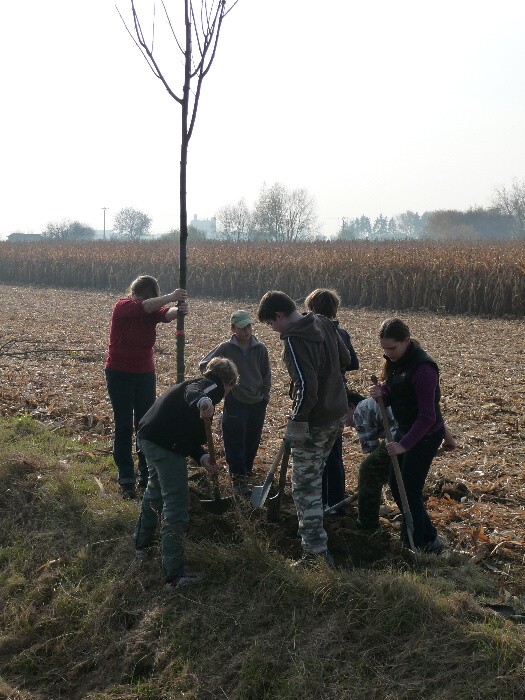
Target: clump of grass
column 84, row 619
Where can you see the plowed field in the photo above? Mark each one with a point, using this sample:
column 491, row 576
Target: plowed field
column 52, row 349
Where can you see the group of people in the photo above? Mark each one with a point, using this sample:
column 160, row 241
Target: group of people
column 317, row 354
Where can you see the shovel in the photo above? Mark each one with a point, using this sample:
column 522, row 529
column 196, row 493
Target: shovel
column 274, row 502
column 407, row 515
column 348, row 499
column 260, row 493
column 218, row 505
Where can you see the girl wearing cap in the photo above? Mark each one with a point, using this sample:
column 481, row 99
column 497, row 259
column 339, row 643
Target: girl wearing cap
column 245, row 406
column 130, row 368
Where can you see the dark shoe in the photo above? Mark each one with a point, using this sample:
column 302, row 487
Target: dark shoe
column 142, row 553
column 188, row 578
column 368, row 529
column 241, row 485
column 310, row 560
column 434, row 547
column 128, row 492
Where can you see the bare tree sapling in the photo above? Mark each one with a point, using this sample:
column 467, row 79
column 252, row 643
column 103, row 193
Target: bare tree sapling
column 197, row 40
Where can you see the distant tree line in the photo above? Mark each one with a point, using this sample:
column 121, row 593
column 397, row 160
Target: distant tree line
column 474, row 224
column 281, row 215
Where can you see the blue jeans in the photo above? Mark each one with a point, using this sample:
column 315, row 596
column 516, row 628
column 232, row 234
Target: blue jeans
column 131, row 395
column 334, row 475
column 166, row 501
column 414, row 466
column 242, row 425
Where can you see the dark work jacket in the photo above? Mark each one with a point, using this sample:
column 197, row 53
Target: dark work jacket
column 173, row 422
column 403, row 400
column 315, row 356
column 345, row 337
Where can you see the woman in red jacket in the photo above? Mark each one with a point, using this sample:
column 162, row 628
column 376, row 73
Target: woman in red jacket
column 130, row 368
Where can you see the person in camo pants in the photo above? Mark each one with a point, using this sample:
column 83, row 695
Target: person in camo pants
column 365, row 416
column 314, row 355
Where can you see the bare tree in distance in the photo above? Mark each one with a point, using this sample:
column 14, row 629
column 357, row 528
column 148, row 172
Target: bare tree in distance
column 131, row 224
column 284, row 216
column 201, row 23
column 68, row 231
column 511, row 201
column 234, row 221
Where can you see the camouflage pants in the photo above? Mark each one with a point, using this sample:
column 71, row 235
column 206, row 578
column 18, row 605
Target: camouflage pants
column 373, row 475
column 307, row 480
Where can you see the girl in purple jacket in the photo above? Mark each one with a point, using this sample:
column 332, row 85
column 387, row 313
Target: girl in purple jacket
column 411, row 389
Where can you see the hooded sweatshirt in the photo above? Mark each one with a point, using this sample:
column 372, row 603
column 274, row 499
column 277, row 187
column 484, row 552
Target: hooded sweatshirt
column 174, row 422
column 253, row 365
column 315, row 355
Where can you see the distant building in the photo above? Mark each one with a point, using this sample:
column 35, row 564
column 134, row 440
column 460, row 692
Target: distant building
column 24, row 237
column 207, row 226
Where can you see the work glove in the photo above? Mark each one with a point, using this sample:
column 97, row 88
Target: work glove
column 296, row 434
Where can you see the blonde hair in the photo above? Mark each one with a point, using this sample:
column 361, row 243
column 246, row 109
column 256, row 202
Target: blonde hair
column 224, row 369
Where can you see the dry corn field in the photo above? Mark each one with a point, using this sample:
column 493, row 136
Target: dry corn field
column 53, row 346
column 478, row 278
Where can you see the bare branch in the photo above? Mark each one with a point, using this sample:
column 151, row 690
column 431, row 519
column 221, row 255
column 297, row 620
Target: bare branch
column 168, row 19
column 227, row 12
column 147, row 53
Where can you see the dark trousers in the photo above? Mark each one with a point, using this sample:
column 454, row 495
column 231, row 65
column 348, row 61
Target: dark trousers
column 166, row 501
column 374, row 473
column 414, row 466
column 242, row 425
column 334, row 475
column 131, row 395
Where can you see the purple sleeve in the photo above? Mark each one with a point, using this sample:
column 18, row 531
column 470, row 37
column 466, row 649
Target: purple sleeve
column 424, row 381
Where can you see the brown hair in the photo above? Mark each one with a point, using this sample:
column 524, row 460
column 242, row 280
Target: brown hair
column 224, row 369
column 323, row 301
column 394, row 328
column 145, row 287
column 397, row 330
column 271, row 303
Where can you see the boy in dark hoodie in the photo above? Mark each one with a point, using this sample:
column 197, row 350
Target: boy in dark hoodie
column 326, row 302
column 315, row 356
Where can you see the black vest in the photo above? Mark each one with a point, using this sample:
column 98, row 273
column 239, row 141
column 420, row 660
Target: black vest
column 403, row 401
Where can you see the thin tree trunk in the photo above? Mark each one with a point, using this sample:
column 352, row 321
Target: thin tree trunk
column 182, row 194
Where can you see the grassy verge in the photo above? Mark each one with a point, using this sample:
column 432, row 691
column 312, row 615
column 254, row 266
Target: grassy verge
column 83, row 619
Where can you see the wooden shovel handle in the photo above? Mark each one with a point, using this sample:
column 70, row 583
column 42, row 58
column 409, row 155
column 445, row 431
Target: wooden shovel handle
column 397, row 471
column 384, row 416
column 213, row 458
column 209, row 439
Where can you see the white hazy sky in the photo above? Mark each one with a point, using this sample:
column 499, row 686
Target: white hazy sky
column 373, row 107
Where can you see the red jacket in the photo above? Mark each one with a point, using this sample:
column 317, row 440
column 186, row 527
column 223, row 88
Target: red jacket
column 132, row 336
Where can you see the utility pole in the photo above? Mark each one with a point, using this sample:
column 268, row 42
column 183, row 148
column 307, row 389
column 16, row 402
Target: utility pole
column 104, row 208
